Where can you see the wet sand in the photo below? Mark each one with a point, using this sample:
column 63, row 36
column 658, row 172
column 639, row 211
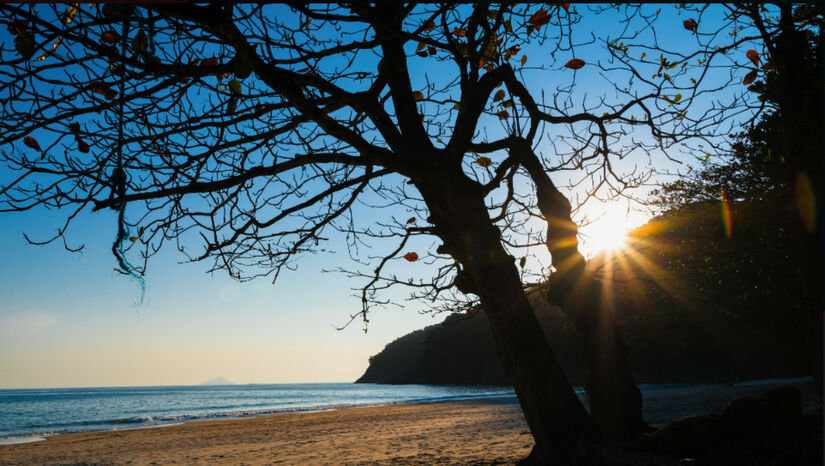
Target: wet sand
column 466, row 432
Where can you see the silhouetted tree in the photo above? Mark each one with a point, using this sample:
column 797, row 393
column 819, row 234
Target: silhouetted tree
column 779, row 159
column 256, row 130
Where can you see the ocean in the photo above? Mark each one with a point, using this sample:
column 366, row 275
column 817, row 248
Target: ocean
column 29, row 414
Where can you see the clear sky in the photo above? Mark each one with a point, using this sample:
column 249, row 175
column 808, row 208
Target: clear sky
column 69, row 320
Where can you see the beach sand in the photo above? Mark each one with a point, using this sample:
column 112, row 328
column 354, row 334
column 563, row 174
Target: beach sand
column 465, row 432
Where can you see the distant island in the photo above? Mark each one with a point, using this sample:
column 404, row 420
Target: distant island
column 218, row 381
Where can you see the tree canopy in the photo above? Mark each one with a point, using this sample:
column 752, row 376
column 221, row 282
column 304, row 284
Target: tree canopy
column 248, row 135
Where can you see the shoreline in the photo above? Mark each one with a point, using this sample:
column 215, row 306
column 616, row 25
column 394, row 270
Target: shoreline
column 129, row 425
column 490, row 430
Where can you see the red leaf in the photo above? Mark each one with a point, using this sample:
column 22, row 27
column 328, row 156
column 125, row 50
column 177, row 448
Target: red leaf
column 411, row 256
column 104, row 90
column 210, row 61
column 110, row 37
column 82, row 146
column 422, row 54
column 566, row 6
column 690, row 24
column 411, row 220
column 459, row 32
column 431, row 50
column 18, row 26
column 574, row 64
column 32, row 142
column 539, row 19
column 749, row 78
column 753, row 56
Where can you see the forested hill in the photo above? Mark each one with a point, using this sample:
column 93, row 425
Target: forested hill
column 694, row 304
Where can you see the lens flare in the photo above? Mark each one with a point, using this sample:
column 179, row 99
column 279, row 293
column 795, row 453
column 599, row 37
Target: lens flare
column 726, row 216
column 805, row 201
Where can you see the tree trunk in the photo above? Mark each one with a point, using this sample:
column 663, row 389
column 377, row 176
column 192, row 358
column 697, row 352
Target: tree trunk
column 615, row 400
column 800, row 105
column 558, row 421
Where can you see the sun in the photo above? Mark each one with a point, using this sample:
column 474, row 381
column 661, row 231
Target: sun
column 607, row 233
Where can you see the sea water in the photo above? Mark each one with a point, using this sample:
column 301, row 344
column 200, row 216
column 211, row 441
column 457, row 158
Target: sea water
column 28, row 414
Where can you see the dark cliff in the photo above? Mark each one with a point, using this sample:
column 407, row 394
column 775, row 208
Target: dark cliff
column 693, row 305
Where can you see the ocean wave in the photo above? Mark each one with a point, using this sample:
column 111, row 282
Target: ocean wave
column 134, row 422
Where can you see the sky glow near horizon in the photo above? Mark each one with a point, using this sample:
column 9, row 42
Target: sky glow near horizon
column 69, row 320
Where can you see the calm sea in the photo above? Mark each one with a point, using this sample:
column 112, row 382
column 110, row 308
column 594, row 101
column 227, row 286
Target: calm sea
column 36, row 412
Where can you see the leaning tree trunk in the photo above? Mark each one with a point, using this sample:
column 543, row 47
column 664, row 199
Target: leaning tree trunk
column 558, row 421
column 615, row 400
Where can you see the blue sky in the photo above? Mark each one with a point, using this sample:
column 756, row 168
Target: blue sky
column 70, row 320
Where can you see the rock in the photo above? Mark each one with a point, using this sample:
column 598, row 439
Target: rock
column 744, row 416
column 786, row 402
column 773, row 410
column 686, row 437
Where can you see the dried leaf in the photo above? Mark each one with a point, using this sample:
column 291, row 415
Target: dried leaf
column 24, row 43
column 68, row 16
column 411, row 220
column 32, row 142
column 132, row 239
column 418, row 95
column 749, row 78
column 566, row 6
column 236, row 87
column 422, row 54
column 50, row 51
column 499, row 95
column 483, row 161
column 690, row 24
column 82, row 146
column 431, row 50
column 411, row 256
column 523, row 60
column 539, row 19
column 421, row 46
column 753, row 56
column 104, row 90
column 503, row 115
column 210, row 61
column 574, row 64
column 459, row 32
column 109, row 37
column 18, row 27
column 522, row 262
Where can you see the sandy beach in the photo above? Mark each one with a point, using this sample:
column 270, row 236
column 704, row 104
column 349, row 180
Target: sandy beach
column 467, row 432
